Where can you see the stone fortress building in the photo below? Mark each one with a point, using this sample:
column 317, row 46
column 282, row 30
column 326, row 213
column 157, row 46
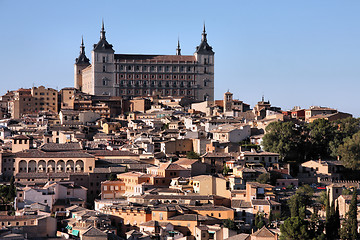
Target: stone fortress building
column 137, row 75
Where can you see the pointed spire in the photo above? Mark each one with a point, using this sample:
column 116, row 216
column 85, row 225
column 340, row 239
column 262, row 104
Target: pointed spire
column 178, row 49
column 82, row 57
column 102, row 32
column 204, row 34
column 82, row 46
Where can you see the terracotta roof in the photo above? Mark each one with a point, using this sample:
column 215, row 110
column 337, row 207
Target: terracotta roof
column 52, row 147
column 111, row 153
column 263, row 232
column 241, row 236
column 186, row 161
column 35, row 153
column 94, row 232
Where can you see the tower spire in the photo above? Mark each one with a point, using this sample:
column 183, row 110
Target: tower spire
column 102, row 32
column 204, row 34
column 82, row 46
column 178, row 49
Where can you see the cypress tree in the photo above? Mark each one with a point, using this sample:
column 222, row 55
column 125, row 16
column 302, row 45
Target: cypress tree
column 353, row 223
column 337, row 220
column 348, row 230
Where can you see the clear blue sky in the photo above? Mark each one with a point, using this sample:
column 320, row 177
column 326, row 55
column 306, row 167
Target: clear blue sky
column 299, row 52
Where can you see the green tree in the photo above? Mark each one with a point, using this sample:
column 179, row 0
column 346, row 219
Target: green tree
column 322, row 198
column 283, row 138
column 344, row 128
column 294, row 228
column 321, row 133
column 263, row 178
column 259, row 220
column 350, row 152
column 301, row 199
column 12, row 190
column 226, row 169
column 316, row 227
column 230, row 224
column 349, row 229
column 192, row 155
column 112, row 177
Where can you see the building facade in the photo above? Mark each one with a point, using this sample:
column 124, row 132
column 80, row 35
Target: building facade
column 131, row 76
column 36, row 99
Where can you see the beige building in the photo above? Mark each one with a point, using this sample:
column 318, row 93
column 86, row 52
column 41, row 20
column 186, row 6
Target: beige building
column 33, row 100
column 37, row 161
column 210, row 185
column 316, row 110
column 131, row 75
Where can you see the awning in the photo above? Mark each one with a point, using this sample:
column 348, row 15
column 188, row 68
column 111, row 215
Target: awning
column 75, row 232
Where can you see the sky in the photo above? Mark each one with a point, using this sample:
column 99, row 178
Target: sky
column 295, row 53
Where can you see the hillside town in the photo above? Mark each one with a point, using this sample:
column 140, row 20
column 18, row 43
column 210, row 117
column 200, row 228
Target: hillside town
column 150, row 154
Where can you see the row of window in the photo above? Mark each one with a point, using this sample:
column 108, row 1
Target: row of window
column 152, row 83
column 153, row 76
column 42, row 93
column 155, row 68
column 32, row 222
column 167, row 92
column 41, row 99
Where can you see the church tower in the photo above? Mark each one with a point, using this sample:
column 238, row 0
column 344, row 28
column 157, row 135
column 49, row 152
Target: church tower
column 80, row 63
column 228, row 102
column 103, row 67
column 205, row 68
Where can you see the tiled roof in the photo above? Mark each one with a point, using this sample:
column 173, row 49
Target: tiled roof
column 263, row 232
column 153, row 58
column 94, row 232
column 52, row 147
column 35, row 153
column 186, row 161
column 240, row 204
column 111, row 153
column 241, row 236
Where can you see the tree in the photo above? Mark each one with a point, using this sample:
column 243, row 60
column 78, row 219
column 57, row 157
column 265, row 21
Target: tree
column 226, row 169
column 12, row 190
column 316, row 227
column 301, row 198
column 230, row 224
column 349, row 228
column 321, row 133
column 259, row 220
column 283, row 138
column 350, row 152
column 192, row 155
column 294, row 228
column 112, row 177
column 263, row 178
column 344, row 128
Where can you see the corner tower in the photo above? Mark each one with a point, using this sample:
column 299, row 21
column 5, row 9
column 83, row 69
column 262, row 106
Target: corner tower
column 81, row 63
column 103, row 67
column 205, row 70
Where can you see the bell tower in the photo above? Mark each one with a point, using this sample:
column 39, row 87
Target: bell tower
column 205, row 68
column 80, row 64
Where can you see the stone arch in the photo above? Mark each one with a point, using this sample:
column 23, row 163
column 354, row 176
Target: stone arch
column 42, row 166
column 32, row 166
column 60, row 166
column 79, row 166
column 51, row 166
column 70, row 166
column 22, row 166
